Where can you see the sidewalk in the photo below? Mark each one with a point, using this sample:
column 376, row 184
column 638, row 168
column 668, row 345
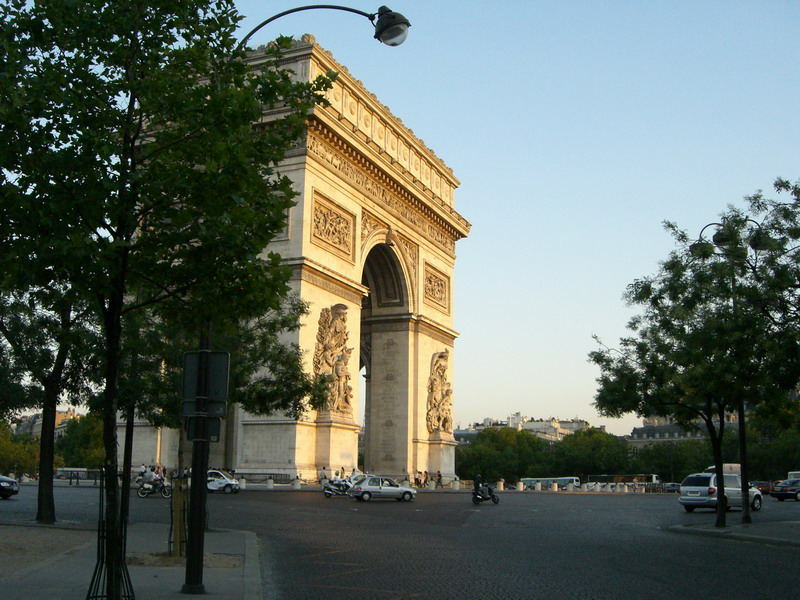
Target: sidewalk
column 777, row 533
column 57, row 563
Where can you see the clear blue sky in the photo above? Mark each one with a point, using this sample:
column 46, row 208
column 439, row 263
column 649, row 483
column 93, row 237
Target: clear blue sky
column 575, row 128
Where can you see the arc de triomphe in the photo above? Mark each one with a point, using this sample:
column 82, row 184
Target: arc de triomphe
column 371, row 243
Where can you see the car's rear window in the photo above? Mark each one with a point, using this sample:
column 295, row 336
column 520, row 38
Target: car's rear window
column 698, row 480
column 791, row 482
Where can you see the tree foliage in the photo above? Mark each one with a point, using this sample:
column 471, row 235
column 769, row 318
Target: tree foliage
column 18, row 454
column 137, row 169
column 82, row 442
column 714, row 329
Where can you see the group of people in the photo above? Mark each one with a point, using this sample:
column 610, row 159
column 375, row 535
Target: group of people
column 423, row 479
column 341, row 474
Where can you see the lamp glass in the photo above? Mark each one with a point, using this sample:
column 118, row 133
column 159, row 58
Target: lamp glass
column 395, row 35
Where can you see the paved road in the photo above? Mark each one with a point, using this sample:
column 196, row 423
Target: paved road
column 441, row 546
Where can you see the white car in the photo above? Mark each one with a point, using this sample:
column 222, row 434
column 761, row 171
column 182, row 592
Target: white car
column 222, row 480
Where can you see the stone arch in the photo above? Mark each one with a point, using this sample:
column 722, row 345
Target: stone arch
column 400, row 254
column 385, row 318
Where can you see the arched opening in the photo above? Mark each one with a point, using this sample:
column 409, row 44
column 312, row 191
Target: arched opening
column 383, row 361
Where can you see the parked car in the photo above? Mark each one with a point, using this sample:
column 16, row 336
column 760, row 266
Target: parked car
column 8, row 487
column 765, row 487
column 373, row 486
column 699, row 490
column 672, row 487
column 222, row 480
column 787, row 489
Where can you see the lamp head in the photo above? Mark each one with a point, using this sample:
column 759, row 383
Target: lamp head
column 391, row 28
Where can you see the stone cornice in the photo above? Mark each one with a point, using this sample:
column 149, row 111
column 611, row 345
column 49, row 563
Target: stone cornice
column 310, row 271
column 330, row 150
column 379, row 135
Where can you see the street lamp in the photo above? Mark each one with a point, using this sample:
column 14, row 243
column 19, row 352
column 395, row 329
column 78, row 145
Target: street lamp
column 733, row 247
column 391, row 28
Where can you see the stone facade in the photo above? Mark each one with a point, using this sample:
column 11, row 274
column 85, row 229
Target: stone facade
column 371, row 242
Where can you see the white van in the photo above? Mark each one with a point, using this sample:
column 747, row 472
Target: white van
column 222, row 480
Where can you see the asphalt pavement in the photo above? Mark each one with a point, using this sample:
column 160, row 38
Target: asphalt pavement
column 56, row 562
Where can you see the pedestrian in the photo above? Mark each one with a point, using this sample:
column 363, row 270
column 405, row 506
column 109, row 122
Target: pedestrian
column 344, row 473
column 424, row 479
column 439, row 479
column 418, row 479
column 323, row 475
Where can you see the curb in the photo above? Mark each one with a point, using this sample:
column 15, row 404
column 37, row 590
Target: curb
column 732, row 534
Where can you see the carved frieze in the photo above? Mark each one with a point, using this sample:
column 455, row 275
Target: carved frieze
column 440, row 395
column 369, row 223
column 379, row 193
column 437, row 288
column 410, row 252
column 331, row 356
column 333, row 227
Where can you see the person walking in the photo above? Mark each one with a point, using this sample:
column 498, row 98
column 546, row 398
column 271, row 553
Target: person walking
column 439, row 479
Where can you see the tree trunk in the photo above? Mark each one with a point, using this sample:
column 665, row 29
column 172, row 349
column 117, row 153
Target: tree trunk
column 716, row 447
column 743, row 464
column 113, row 549
column 45, row 505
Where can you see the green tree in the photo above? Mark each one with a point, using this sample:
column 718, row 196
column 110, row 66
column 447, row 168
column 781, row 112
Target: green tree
column 702, row 344
column 52, row 350
column 502, row 453
column 671, row 461
column 128, row 132
column 82, row 442
column 18, row 454
column 591, row 451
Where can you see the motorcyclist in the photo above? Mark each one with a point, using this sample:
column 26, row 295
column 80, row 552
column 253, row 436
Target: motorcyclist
column 478, row 484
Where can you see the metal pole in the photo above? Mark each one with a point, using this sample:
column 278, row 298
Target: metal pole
column 193, row 583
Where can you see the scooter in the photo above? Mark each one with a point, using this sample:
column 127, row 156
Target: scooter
column 147, row 489
column 484, row 494
column 337, row 487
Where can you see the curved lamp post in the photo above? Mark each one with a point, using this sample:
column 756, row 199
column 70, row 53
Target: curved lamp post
column 391, row 28
column 734, row 248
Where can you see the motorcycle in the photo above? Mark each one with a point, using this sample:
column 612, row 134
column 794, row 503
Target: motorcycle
column 484, row 494
column 337, row 487
column 147, row 489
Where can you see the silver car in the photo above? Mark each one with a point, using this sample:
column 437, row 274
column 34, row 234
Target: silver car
column 699, row 490
column 373, row 486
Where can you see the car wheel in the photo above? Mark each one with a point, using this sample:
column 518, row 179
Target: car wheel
column 688, row 508
column 781, row 499
column 406, row 497
column 366, row 496
column 756, row 505
column 228, row 489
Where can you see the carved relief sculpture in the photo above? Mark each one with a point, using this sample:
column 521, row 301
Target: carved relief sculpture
column 437, row 288
column 332, row 355
column 440, row 395
column 332, row 228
